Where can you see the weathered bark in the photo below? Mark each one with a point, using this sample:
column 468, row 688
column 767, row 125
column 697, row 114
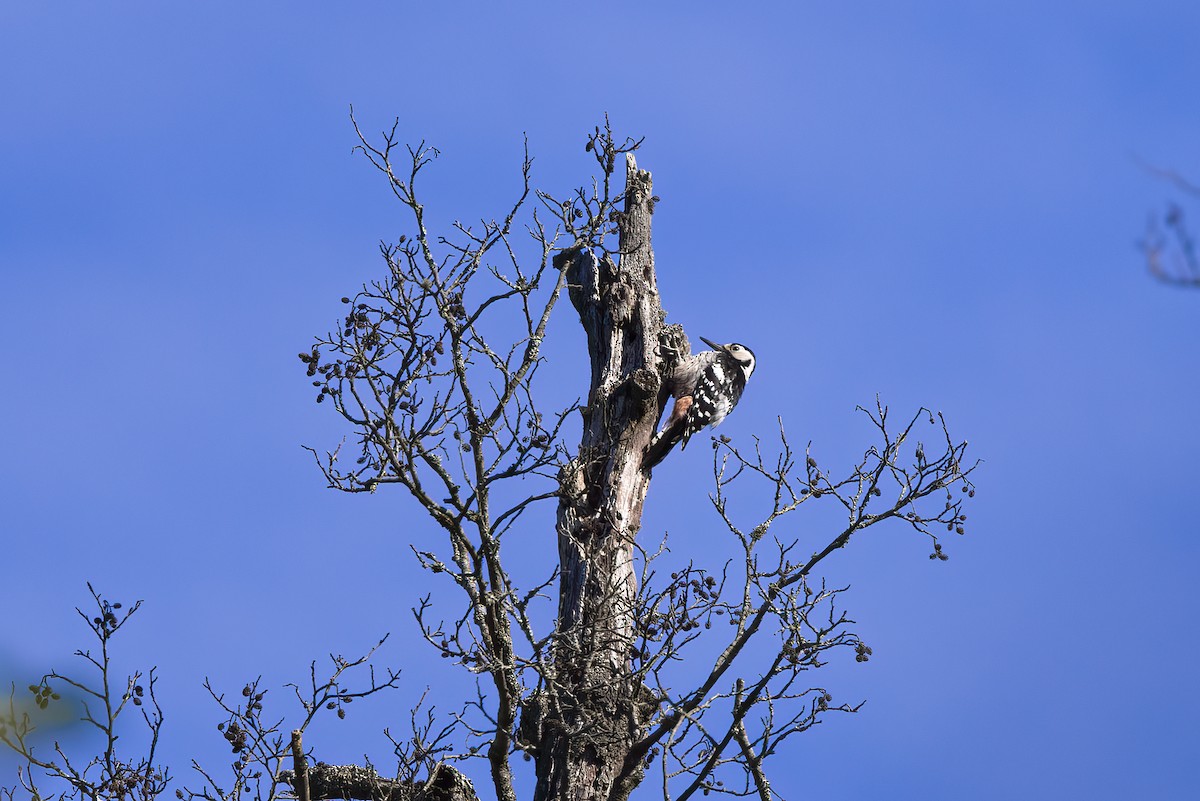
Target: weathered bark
column 353, row 781
column 587, row 723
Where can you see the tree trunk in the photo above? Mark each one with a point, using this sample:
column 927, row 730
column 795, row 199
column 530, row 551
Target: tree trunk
column 589, row 721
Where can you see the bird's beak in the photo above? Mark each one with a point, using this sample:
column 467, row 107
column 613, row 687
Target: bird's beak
column 712, row 344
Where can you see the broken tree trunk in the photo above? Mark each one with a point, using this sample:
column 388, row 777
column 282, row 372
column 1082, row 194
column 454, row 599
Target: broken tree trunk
column 327, row 782
column 588, row 723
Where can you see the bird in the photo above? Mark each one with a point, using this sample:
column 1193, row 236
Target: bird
column 706, row 387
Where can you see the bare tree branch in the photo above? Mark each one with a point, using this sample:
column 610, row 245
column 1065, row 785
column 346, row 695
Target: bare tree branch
column 1168, row 244
column 102, row 699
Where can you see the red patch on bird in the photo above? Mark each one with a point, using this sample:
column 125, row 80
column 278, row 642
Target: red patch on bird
column 681, row 407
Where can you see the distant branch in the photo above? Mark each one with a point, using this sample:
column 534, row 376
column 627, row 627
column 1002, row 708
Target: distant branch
column 1168, row 244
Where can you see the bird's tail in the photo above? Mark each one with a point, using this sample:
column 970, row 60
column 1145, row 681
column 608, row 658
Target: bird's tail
column 662, row 444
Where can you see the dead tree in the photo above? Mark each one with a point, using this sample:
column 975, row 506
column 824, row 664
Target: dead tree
column 435, row 369
column 596, row 701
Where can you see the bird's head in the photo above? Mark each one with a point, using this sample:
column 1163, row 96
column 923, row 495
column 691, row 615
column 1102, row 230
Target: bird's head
column 738, row 352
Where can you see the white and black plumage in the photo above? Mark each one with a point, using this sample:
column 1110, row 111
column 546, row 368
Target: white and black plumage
column 706, row 387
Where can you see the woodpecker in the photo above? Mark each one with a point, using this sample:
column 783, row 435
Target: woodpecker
column 706, row 387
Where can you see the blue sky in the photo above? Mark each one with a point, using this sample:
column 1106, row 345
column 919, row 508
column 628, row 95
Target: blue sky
column 935, row 202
